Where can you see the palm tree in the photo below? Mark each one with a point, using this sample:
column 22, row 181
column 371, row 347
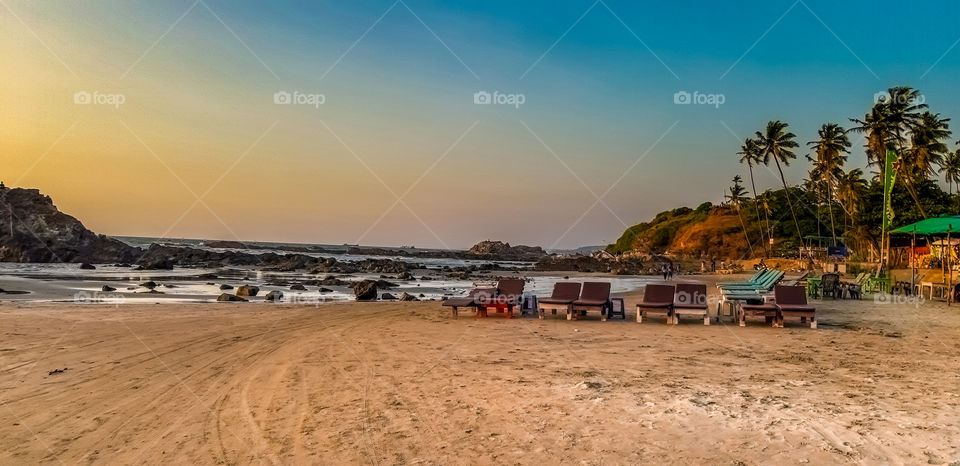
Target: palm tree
column 830, row 148
column 736, row 196
column 850, row 189
column 951, row 171
column 750, row 154
column 777, row 143
column 887, row 126
column 928, row 148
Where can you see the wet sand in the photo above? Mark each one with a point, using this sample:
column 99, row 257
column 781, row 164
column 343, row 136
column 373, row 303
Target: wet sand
column 393, row 383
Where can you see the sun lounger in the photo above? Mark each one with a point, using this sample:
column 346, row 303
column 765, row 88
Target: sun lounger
column 792, row 302
column 564, row 294
column 767, row 310
column 765, row 284
column 509, row 294
column 476, row 294
column 593, row 296
column 690, row 299
column 657, row 299
column 756, row 277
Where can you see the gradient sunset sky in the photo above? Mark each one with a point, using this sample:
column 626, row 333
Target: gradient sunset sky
column 399, row 120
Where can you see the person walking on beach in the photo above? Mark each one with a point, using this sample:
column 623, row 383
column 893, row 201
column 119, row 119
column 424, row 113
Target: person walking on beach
column 663, row 269
column 670, row 271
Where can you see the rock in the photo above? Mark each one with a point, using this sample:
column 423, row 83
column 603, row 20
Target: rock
column 408, row 297
column 274, row 296
column 425, row 278
column 149, row 285
column 247, row 290
column 405, row 276
column 387, row 297
column 107, row 288
column 365, row 290
column 325, row 290
column 386, row 284
column 41, row 233
column 226, row 287
column 169, row 285
column 229, row 297
column 332, row 281
column 298, row 287
column 498, row 250
column 207, row 276
column 158, row 264
column 123, row 265
column 86, row 266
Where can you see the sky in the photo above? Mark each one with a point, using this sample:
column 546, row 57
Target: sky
column 368, row 121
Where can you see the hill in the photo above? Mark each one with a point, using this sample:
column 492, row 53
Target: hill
column 713, row 230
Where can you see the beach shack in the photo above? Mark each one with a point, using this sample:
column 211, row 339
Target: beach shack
column 940, row 236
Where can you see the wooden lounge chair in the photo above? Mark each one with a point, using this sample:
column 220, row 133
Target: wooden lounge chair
column 593, row 296
column 476, row 294
column 509, row 294
column 564, row 294
column 792, row 302
column 657, row 299
column 690, row 299
column 767, row 310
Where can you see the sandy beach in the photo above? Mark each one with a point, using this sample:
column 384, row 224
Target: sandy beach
column 397, row 383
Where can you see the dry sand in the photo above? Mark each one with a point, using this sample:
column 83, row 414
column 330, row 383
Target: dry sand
column 390, row 383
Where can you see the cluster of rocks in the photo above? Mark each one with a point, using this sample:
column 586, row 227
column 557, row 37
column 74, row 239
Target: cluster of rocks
column 578, row 263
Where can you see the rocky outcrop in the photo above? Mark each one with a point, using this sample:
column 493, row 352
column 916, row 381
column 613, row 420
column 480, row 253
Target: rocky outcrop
column 32, row 229
column 408, row 297
column 577, row 263
column 498, row 250
column 274, row 296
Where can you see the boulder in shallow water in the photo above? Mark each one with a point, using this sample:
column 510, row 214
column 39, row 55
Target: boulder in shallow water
column 248, row 290
column 365, row 290
column 108, row 288
column 225, row 297
column 408, row 297
column 86, row 266
column 388, row 297
column 275, row 295
column 298, row 287
column 149, row 285
column 226, row 287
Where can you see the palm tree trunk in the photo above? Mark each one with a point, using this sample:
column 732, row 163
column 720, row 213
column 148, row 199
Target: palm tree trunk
column 745, row 235
column 756, row 205
column 833, row 229
column 786, row 191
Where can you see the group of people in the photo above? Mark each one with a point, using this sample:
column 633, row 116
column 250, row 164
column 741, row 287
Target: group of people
column 669, row 270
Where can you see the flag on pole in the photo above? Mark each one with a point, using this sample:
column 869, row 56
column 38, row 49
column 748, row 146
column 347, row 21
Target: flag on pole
column 889, row 176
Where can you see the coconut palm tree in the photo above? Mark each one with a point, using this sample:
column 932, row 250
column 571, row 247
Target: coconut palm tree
column 776, row 143
column 951, row 171
column 736, row 196
column 830, row 149
column 928, row 148
column 750, row 155
column 850, row 189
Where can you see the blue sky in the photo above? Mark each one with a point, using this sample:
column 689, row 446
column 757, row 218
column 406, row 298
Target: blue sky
column 598, row 119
